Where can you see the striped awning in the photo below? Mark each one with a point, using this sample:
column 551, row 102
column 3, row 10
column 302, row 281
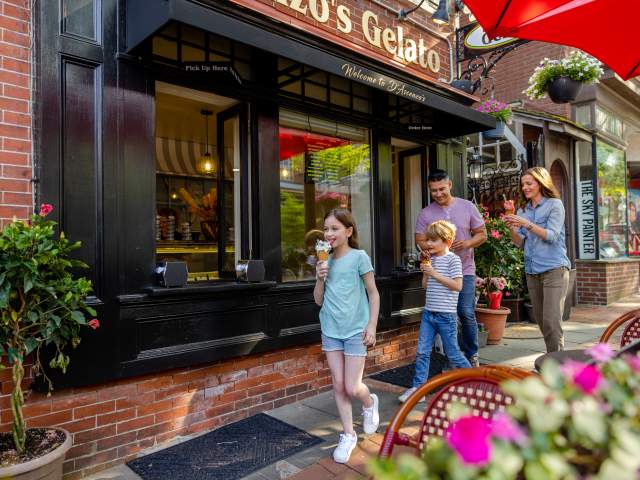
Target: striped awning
column 179, row 156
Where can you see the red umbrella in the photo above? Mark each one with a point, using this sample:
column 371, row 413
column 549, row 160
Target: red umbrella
column 606, row 29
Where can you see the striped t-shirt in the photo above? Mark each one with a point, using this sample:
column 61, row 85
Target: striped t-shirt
column 439, row 297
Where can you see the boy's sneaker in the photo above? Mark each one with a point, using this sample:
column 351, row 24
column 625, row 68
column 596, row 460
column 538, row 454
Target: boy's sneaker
column 346, row 444
column 474, row 361
column 405, row 396
column 371, row 416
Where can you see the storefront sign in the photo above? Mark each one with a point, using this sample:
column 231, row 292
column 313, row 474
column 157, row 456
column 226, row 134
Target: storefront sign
column 382, row 82
column 212, row 68
column 586, row 220
column 376, row 28
column 472, row 41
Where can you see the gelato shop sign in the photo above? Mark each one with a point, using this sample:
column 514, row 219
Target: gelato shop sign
column 395, row 40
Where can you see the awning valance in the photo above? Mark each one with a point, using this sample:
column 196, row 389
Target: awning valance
column 146, row 17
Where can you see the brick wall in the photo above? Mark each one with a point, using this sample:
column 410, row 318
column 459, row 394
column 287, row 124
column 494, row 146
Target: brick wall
column 602, row 283
column 111, row 423
column 16, row 195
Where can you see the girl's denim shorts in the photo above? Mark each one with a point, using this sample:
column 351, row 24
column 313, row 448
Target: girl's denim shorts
column 352, row 346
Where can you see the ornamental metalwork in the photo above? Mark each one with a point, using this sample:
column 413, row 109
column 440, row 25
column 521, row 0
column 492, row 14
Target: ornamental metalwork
column 497, row 181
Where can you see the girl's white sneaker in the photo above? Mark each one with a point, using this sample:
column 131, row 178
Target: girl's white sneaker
column 346, row 444
column 371, row 416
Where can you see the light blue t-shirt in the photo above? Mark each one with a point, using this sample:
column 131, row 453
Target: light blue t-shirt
column 345, row 307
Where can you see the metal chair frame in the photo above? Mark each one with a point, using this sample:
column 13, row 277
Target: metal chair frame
column 480, row 386
column 631, row 331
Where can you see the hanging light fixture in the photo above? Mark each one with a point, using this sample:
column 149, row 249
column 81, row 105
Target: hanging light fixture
column 207, row 163
column 441, row 15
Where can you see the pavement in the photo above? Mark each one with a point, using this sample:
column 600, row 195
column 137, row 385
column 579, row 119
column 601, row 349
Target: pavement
column 318, row 415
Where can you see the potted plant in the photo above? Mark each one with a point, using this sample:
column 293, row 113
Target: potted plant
column 42, row 305
column 563, row 79
column 578, row 421
column 499, row 266
column 502, row 113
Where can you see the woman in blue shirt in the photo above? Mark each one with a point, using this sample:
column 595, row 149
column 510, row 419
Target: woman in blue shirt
column 539, row 229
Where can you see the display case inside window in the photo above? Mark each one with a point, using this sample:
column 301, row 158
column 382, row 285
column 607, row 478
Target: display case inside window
column 612, row 201
column 323, row 165
column 197, row 181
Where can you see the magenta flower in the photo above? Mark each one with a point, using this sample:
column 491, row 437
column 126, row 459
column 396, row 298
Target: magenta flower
column 45, row 209
column 601, row 352
column 469, row 437
column 586, row 377
column 505, row 428
column 496, row 234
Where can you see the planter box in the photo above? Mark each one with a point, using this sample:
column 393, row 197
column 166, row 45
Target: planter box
column 516, row 305
column 483, row 335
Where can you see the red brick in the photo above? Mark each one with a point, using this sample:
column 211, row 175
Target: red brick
column 81, row 450
column 115, row 417
column 134, row 401
column 12, row 91
column 96, row 434
column 95, row 409
column 116, row 441
column 72, row 401
column 14, row 11
column 36, row 409
column 97, row 458
column 50, row 420
column 154, row 407
column 15, row 145
column 80, row 425
column 135, row 424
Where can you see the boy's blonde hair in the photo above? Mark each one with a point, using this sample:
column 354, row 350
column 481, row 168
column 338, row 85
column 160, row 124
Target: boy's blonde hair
column 445, row 231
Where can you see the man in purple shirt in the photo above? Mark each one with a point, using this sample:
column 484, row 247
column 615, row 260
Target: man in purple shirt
column 470, row 233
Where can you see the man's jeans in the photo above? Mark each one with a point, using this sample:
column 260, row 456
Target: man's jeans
column 467, row 316
column 446, row 325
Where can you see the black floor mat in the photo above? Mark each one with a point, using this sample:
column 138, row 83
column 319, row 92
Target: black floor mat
column 403, row 376
column 228, row 453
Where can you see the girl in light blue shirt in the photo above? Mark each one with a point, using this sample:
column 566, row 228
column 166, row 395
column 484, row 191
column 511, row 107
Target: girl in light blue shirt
column 346, row 291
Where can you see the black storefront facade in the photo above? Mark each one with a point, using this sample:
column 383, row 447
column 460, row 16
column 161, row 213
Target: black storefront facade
column 207, row 132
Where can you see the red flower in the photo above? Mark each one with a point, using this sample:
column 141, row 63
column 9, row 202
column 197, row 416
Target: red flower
column 45, row 209
column 586, row 377
column 496, row 234
column 94, row 323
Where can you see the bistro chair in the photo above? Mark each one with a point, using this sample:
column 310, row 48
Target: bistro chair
column 630, row 325
column 478, row 388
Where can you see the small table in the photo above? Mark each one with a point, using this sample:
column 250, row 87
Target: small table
column 562, row 356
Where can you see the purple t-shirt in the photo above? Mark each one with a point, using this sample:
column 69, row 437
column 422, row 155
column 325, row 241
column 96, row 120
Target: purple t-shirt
column 464, row 215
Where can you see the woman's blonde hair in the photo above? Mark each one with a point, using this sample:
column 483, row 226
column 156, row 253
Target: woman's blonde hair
column 345, row 217
column 542, row 176
column 441, row 229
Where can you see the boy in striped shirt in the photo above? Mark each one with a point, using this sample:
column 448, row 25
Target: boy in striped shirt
column 443, row 282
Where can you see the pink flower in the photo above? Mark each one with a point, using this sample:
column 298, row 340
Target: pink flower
column 507, row 294
column 485, row 215
column 469, row 437
column 94, row 323
column 496, row 234
column 505, row 428
column 601, row 352
column 586, row 377
column 479, row 282
column 634, row 362
column 45, row 209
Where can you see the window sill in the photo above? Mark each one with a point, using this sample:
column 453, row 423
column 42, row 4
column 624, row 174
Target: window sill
column 209, row 288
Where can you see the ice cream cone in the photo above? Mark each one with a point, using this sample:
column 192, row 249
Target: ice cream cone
column 322, row 255
column 322, row 250
column 509, row 207
column 425, row 260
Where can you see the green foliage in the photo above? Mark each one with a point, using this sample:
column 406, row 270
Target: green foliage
column 578, row 66
column 499, row 257
column 41, row 303
column 573, row 422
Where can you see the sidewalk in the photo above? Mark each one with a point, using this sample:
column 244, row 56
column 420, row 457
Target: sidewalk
column 318, row 415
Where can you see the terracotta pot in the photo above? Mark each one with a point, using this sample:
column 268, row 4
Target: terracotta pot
column 494, row 321
column 47, row 467
column 564, row 89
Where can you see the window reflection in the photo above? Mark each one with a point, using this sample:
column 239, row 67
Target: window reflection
column 612, row 218
column 323, row 165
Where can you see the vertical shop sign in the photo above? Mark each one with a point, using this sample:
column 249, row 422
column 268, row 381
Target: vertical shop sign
column 586, row 220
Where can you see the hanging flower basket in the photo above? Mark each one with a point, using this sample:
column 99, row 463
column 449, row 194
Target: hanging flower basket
column 495, row 133
column 564, row 90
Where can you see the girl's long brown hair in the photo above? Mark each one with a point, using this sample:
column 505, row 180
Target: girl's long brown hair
column 345, row 217
column 542, row 176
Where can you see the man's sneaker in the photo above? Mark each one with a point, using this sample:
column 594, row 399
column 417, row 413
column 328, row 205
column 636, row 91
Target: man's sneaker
column 404, row 397
column 371, row 416
column 474, row 361
column 346, row 444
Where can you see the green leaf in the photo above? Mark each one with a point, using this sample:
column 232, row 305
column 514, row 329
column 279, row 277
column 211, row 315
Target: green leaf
column 30, row 345
column 28, row 284
column 78, row 316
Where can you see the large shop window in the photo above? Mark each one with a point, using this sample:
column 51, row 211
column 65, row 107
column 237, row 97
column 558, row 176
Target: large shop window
column 197, row 181
column 612, row 201
column 633, row 193
column 323, row 165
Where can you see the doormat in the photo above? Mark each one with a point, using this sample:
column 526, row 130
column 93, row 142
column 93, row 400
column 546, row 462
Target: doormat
column 521, row 331
column 403, row 376
column 228, row 453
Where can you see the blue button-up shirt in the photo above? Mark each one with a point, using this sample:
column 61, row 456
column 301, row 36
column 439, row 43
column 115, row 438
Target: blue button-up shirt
column 542, row 255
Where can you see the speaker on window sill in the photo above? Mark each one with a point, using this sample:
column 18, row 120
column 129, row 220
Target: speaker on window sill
column 172, row 274
column 250, row 271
